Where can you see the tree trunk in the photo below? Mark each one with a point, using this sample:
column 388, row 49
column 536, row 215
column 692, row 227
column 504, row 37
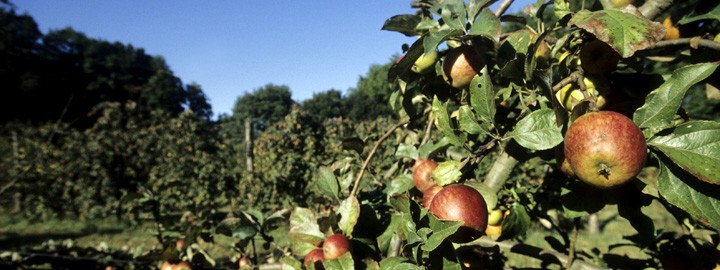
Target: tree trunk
column 593, row 225
column 17, row 197
column 248, row 146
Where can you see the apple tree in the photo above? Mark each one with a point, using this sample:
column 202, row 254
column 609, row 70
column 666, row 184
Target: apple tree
column 487, row 104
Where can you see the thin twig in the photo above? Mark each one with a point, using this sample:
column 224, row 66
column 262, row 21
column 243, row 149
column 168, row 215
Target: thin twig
column 503, row 7
column 372, row 153
column 428, row 129
column 707, row 43
column 573, row 242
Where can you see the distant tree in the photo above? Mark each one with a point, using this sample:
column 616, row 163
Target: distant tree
column 265, row 105
column 370, row 98
column 197, row 101
column 324, row 105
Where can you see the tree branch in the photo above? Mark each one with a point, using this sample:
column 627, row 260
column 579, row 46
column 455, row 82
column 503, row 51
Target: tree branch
column 694, row 42
column 503, row 7
column 372, row 153
column 653, row 8
column 500, row 171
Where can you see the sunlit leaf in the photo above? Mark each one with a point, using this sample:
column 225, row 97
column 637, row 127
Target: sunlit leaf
column 486, row 24
column 442, row 122
column 482, row 98
column 713, row 13
column 440, row 231
column 327, row 182
column 349, row 211
column 695, row 147
column 447, row 172
column 538, row 130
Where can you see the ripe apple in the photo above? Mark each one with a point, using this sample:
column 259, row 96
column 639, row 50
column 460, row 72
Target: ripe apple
column 460, row 66
column 495, row 217
column 605, row 149
column 621, row 3
column 424, row 62
column 596, row 57
column 457, row 202
column 429, row 195
column 244, row 262
column 422, row 170
column 335, row 246
column 315, row 257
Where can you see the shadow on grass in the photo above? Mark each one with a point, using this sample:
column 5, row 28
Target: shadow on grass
column 13, row 240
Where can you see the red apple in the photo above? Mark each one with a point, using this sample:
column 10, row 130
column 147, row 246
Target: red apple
column 315, row 257
column 605, row 149
column 422, row 170
column 429, row 195
column 335, row 246
column 597, row 57
column 457, row 202
column 460, row 66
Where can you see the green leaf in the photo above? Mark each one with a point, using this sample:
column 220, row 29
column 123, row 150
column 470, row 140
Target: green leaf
column 431, row 147
column 390, row 234
column 662, row 103
column 474, row 7
column 487, row 193
column 695, row 147
column 328, row 183
column 404, row 23
column 406, row 151
column 345, row 262
column 398, row 263
column 399, row 185
column 442, row 122
column 447, row 172
column 290, row 263
column 695, row 197
column 624, row 32
column 517, row 223
column 440, row 231
column 467, row 122
column 482, row 98
column 452, row 13
column 304, row 230
column 487, row 24
column 349, row 212
column 712, row 14
column 538, row 131
column 432, row 41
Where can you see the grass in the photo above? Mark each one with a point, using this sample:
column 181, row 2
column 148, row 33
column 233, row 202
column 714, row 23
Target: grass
column 17, row 233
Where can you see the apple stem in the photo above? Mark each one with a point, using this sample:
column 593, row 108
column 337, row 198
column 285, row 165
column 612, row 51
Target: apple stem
column 604, row 171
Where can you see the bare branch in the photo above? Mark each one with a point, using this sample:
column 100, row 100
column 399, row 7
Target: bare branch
column 653, row 8
column 503, row 7
column 372, row 153
column 694, row 42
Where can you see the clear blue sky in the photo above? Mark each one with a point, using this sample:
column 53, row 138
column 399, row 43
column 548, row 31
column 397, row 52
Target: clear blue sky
column 233, row 47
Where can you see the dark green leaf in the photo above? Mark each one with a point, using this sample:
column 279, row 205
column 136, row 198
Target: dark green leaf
column 517, row 223
column 327, row 182
column 354, row 144
column 662, row 103
column 427, row 149
column 695, row 147
column 452, row 13
column 237, row 227
column 474, row 7
column 538, row 131
column 390, row 234
column 712, row 14
column 624, row 32
column 697, row 198
column 398, row 263
column 440, row 231
column 404, row 23
column 349, row 211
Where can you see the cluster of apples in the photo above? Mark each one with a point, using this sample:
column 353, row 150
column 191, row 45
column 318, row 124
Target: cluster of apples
column 334, row 246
